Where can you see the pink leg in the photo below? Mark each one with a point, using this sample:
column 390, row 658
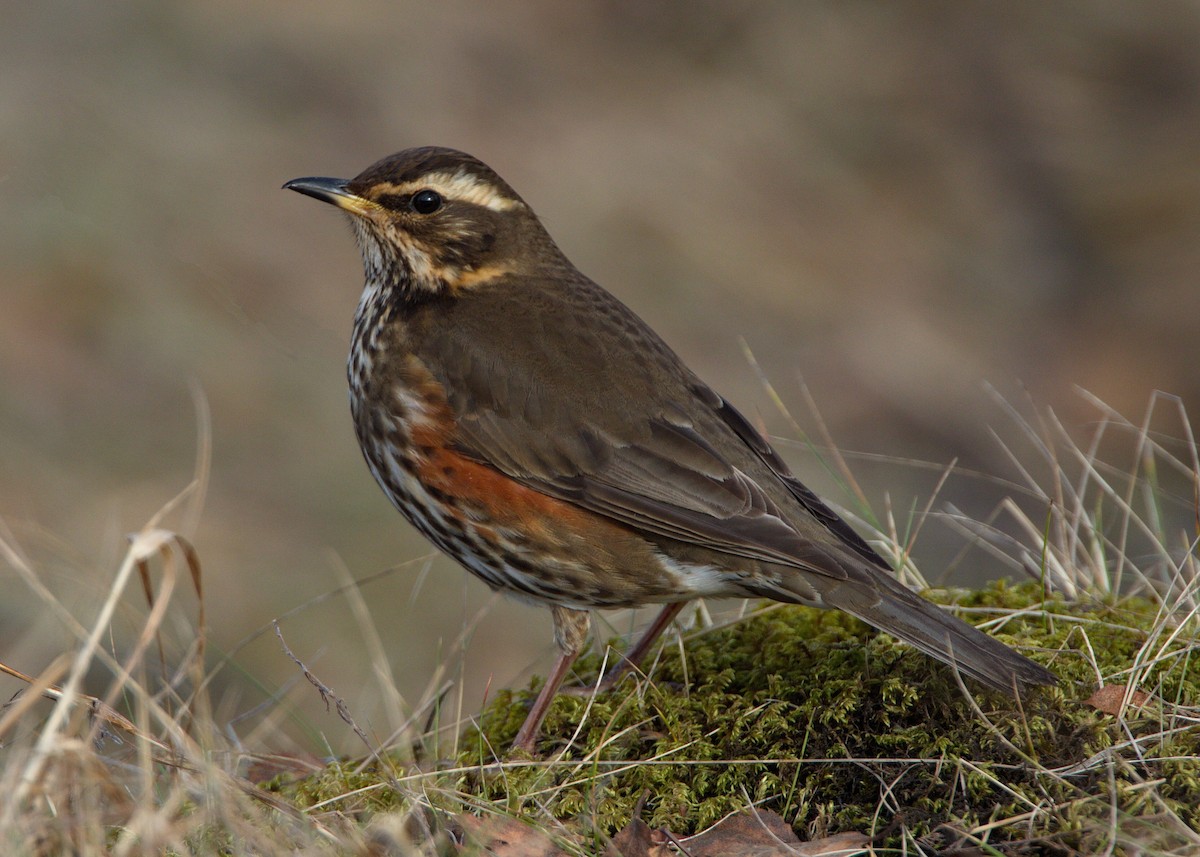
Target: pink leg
column 527, row 735
column 570, row 631
column 634, row 656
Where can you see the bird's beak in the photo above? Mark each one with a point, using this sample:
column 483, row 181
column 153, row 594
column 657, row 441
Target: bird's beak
column 332, row 191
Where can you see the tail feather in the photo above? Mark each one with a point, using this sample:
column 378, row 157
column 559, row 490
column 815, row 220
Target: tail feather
column 890, row 607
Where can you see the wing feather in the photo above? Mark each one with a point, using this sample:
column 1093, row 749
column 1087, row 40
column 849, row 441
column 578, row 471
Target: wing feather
column 601, row 413
column 682, row 463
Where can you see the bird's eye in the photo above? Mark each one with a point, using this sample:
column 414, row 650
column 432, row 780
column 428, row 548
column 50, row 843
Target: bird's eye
column 425, row 201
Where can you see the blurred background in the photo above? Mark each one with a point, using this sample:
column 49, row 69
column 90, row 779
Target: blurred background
column 889, row 204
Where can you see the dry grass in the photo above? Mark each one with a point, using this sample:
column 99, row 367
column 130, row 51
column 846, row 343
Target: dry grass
column 147, row 765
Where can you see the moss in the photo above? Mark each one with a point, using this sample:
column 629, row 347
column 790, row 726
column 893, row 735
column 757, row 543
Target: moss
column 820, row 716
column 348, row 787
column 840, row 728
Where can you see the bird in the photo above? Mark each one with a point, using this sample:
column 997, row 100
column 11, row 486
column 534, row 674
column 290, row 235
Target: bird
column 535, row 429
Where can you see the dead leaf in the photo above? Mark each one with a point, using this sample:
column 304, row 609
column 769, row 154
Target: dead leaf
column 504, row 837
column 638, row 839
column 1108, row 698
column 762, row 833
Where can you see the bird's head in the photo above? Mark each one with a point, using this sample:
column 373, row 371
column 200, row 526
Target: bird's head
column 433, row 221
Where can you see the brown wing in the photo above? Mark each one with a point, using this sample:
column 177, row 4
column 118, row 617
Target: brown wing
column 594, row 408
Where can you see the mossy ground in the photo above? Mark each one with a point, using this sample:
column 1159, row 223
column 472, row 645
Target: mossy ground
column 839, row 728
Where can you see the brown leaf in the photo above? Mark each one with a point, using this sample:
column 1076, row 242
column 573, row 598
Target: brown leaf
column 638, row 839
column 762, row 833
column 504, row 837
column 1109, row 697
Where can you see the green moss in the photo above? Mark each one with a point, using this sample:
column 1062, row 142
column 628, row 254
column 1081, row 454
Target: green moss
column 819, row 716
column 840, row 728
column 347, row 787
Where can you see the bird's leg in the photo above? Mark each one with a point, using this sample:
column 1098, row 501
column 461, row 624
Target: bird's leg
column 570, row 632
column 634, row 656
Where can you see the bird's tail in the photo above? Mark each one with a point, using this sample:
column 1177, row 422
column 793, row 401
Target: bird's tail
column 889, row 606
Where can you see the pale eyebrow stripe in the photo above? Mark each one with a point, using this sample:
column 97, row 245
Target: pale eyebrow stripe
column 457, row 185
